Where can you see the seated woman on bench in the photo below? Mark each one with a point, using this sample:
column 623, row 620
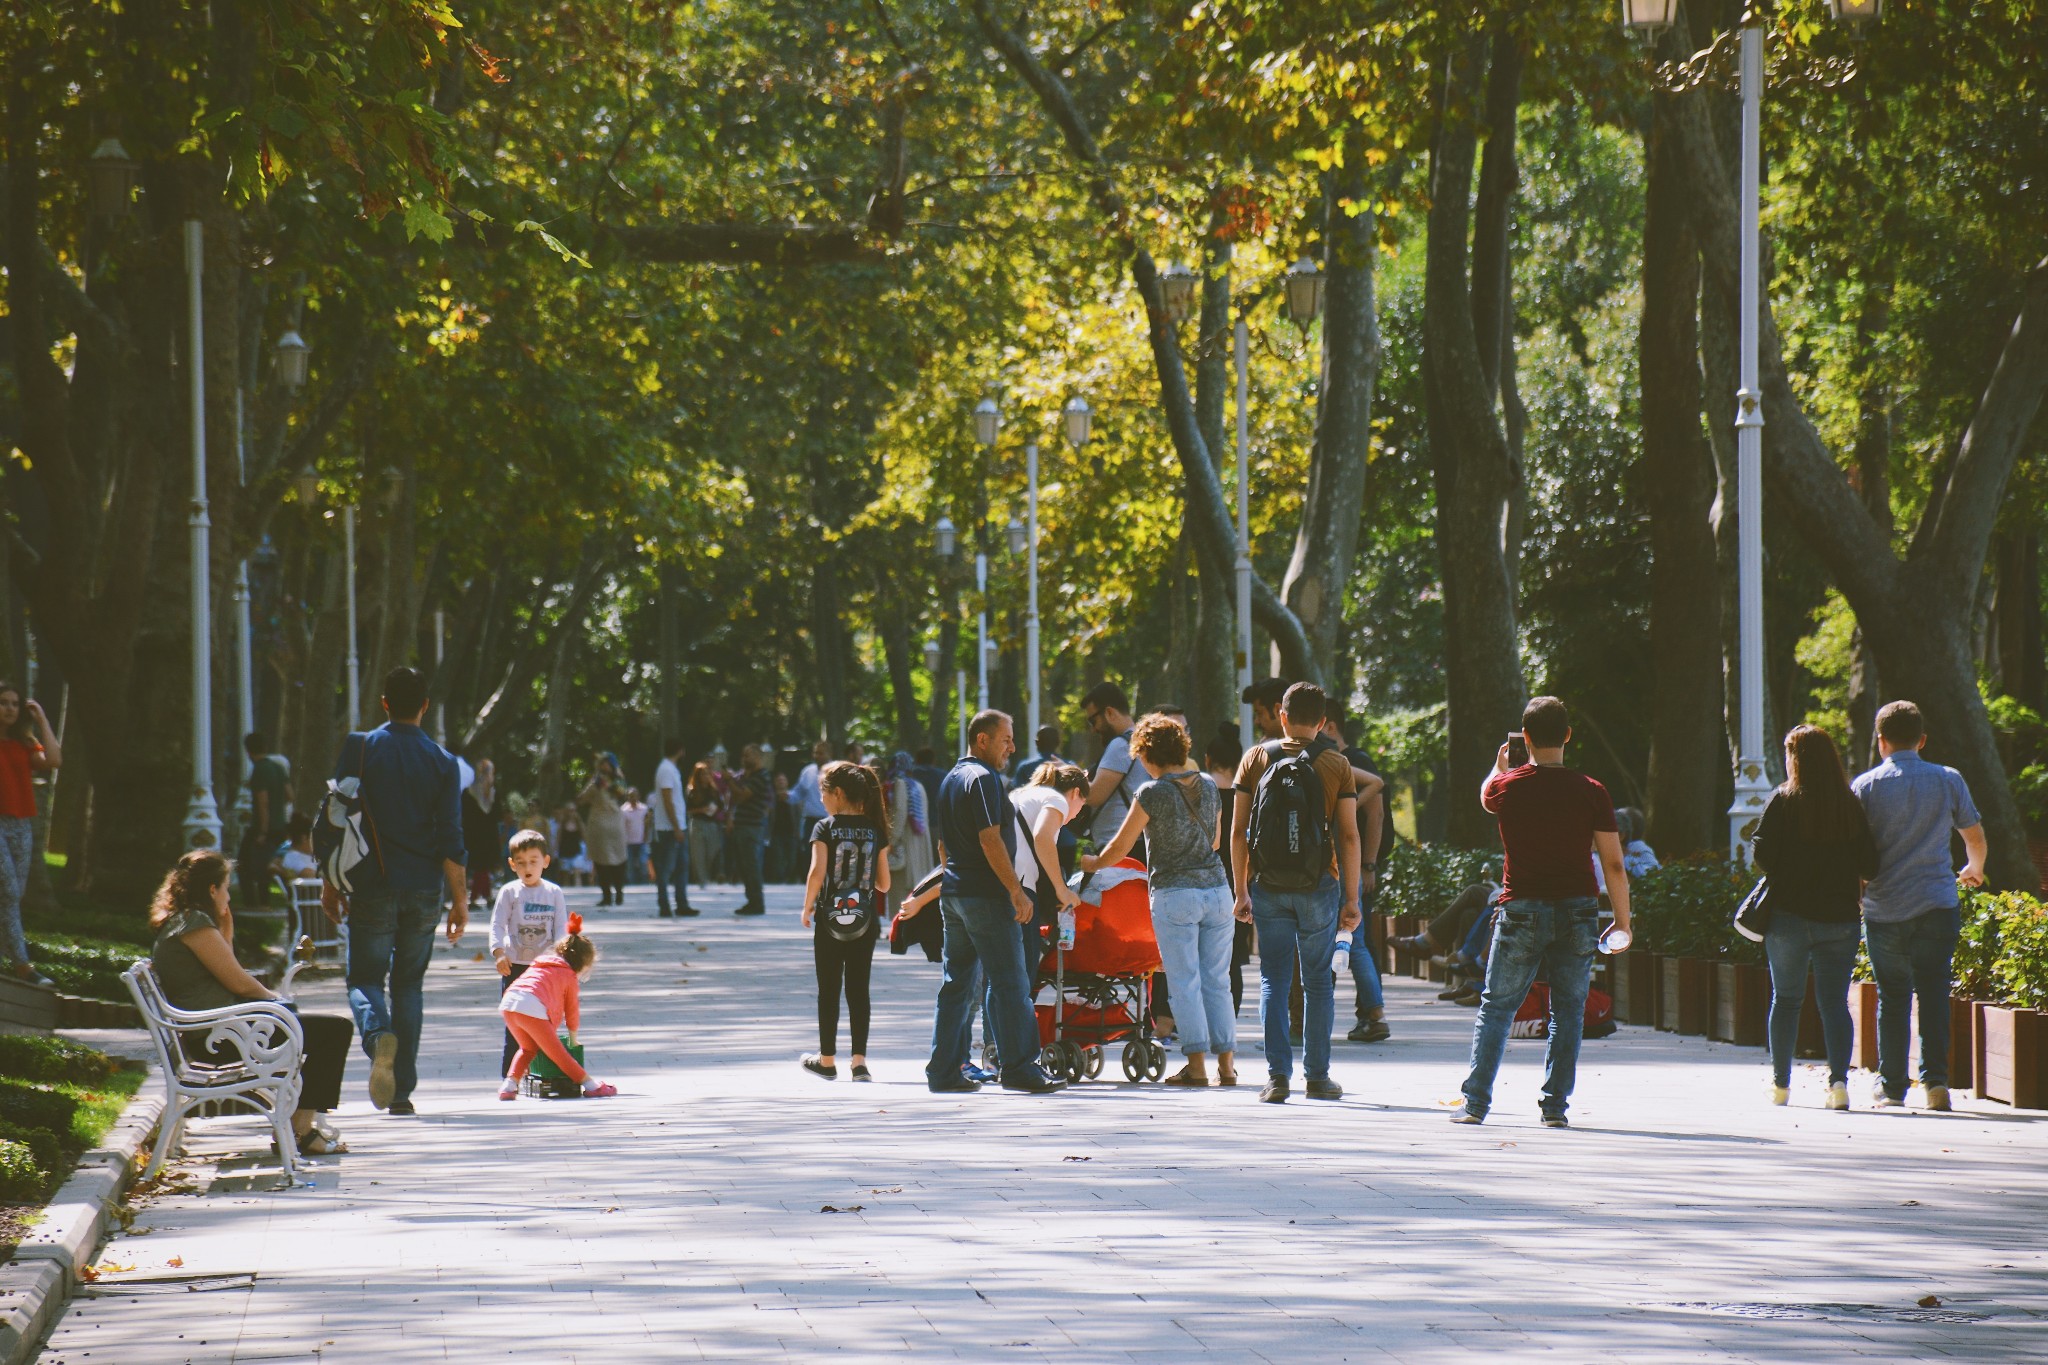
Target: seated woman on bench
column 194, row 958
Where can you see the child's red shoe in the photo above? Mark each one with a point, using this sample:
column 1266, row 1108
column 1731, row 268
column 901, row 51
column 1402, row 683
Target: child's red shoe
column 600, row 1092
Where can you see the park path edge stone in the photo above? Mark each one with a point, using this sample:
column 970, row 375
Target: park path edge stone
column 49, row 1263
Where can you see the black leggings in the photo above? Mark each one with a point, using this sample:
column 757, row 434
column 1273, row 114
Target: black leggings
column 849, row 962
column 611, row 881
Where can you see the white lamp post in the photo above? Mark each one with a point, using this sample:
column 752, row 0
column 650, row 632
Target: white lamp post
column 245, row 671
column 988, row 421
column 202, row 816
column 1752, row 783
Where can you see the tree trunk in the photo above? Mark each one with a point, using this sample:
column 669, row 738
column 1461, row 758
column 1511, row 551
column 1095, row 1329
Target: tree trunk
column 1474, row 472
column 1212, row 664
column 1327, row 543
column 562, row 642
column 669, row 651
column 1688, row 754
column 943, row 729
column 1914, row 611
column 2016, row 663
column 895, row 626
column 828, row 639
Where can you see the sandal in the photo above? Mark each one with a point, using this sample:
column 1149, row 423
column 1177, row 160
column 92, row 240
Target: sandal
column 1187, row 1078
column 812, row 1065
column 1226, row 1078
column 317, row 1143
column 861, row 1073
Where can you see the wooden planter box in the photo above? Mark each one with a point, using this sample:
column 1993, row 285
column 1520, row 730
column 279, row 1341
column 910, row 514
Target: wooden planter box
column 1635, row 987
column 1962, row 1041
column 2011, row 1047
column 1742, row 1003
column 1863, row 1018
column 1685, row 1000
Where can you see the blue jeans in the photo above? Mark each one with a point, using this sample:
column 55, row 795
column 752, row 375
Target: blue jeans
column 982, row 936
column 636, row 859
column 1556, row 939
column 1365, row 966
column 1291, row 924
column 1792, row 945
column 671, row 868
column 391, row 939
column 17, row 852
column 1913, row 958
column 1196, row 931
column 748, row 843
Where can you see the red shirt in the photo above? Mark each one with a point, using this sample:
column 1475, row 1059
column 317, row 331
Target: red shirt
column 17, row 795
column 1548, row 816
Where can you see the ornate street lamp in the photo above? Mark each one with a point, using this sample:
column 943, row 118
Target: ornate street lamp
column 988, row 420
column 308, row 486
column 1078, row 419
column 1856, row 13
column 292, row 351
column 1648, row 16
column 1177, row 288
column 932, row 657
column 110, row 183
column 945, row 537
column 1014, row 533
column 1304, row 292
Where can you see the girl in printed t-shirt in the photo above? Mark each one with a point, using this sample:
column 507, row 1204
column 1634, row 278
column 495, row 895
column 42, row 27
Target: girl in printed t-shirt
column 548, row 998
column 842, row 906
column 27, row 747
column 530, row 915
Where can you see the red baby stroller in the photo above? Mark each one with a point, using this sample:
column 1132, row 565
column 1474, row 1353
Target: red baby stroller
column 1102, row 986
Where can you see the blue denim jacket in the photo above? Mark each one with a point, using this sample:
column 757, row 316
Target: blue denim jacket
column 413, row 799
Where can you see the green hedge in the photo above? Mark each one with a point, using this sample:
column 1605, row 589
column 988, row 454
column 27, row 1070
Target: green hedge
column 85, row 966
column 1687, row 909
column 1422, row 879
column 2002, row 955
column 32, row 1057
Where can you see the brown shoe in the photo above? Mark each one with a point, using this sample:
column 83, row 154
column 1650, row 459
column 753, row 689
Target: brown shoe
column 1189, row 1078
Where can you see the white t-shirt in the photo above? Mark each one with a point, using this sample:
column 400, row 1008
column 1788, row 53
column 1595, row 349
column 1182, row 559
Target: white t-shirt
column 1032, row 802
column 297, row 864
column 634, row 818
column 528, row 920
column 668, row 778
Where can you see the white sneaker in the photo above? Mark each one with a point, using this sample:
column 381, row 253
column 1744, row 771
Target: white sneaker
column 1838, row 1095
column 1781, row 1094
column 509, row 1090
column 1937, row 1099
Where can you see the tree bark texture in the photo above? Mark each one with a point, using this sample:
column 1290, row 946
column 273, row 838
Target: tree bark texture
column 828, row 640
column 1212, row 666
column 1688, row 746
column 1475, row 475
column 1914, row 610
column 1326, row 545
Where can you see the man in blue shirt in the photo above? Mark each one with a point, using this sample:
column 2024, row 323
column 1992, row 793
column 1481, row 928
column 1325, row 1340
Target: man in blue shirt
column 1910, row 916
column 413, row 817
column 982, row 903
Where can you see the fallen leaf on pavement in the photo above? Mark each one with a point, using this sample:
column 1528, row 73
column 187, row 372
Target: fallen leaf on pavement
column 1930, row 1302
column 176, row 1263
column 833, row 1208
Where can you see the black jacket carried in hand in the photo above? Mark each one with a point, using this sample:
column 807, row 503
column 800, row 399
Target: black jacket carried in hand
column 1819, row 880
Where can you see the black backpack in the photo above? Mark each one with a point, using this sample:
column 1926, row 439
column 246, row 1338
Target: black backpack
column 1289, row 835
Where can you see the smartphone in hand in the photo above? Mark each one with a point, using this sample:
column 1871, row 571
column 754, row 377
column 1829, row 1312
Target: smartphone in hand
column 1518, row 749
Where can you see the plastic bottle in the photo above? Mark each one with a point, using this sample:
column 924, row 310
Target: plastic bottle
column 1066, row 928
column 1616, row 940
column 1340, row 960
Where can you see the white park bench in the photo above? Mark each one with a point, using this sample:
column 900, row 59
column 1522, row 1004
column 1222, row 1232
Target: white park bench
column 263, row 1076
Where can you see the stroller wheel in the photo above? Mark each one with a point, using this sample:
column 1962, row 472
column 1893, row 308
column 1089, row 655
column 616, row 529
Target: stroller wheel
column 1157, row 1056
column 1052, row 1057
column 1137, row 1059
column 1094, row 1062
column 1077, row 1061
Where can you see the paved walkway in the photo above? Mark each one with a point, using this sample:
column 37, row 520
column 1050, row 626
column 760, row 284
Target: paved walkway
column 729, row 1206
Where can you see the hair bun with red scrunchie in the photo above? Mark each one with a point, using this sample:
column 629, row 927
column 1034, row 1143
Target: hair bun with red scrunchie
column 575, row 923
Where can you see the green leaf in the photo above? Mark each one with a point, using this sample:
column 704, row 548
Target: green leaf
column 425, row 219
column 553, row 243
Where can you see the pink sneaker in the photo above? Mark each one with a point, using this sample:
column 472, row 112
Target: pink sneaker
column 600, row 1092
column 509, row 1091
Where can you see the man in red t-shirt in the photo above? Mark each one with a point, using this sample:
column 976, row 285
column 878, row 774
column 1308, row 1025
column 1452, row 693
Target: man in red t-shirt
column 1552, row 819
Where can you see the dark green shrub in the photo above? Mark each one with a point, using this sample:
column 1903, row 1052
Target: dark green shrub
column 1421, row 879
column 84, row 966
column 36, row 1106
column 33, row 1057
column 1687, row 909
column 21, row 1179
column 43, row 1144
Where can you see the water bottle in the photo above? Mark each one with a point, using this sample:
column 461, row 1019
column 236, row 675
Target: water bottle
column 1340, row 960
column 1616, row 940
column 1066, row 928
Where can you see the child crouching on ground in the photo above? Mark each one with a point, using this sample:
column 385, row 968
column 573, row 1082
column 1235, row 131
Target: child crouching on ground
column 530, row 915
column 546, row 998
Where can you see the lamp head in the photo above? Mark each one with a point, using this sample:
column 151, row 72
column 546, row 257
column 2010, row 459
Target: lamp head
column 1079, row 420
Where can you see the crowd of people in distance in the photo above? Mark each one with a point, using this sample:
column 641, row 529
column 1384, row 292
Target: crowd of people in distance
column 1268, row 853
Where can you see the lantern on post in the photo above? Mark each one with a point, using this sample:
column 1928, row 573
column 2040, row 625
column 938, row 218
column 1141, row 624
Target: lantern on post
column 308, row 486
column 1304, row 292
column 988, row 420
column 945, row 537
column 1177, row 289
column 1856, row 13
column 932, row 657
column 1014, row 534
column 1078, row 420
column 110, row 184
column 1648, row 16
column 291, row 353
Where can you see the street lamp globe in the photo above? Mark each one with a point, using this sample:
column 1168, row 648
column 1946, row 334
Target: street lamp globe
column 1014, row 533
column 988, row 420
column 932, row 656
column 1648, row 16
column 1304, row 292
column 1856, row 13
column 1078, row 419
column 110, row 184
column 292, row 351
column 944, row 534
column 1177, row 288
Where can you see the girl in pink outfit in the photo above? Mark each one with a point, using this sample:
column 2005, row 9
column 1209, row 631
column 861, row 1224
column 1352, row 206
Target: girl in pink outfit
column 544, row 999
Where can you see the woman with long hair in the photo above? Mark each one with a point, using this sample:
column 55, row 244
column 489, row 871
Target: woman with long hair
column 842, row 906
column 1814, row 845
column 195, row 963
column 27, row 747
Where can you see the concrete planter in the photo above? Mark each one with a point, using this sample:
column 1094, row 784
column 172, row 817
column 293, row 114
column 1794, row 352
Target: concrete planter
column 2011, row 1049
column 1685, row 998
column 1742, row 1003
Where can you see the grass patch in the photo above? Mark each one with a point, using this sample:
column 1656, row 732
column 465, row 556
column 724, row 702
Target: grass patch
column 57, row 1099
